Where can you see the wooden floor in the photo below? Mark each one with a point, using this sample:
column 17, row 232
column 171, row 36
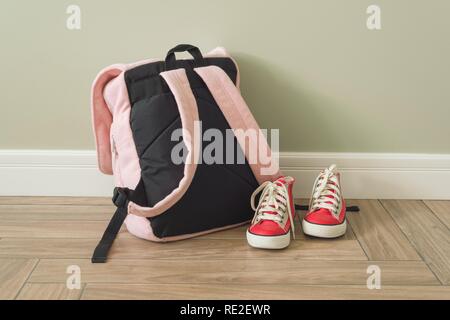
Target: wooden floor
column 40, row 237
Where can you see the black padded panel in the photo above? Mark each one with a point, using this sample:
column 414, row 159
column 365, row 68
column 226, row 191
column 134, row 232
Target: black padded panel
column 219, row 194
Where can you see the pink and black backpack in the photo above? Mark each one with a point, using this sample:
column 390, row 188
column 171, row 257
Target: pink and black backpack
column 146, row 113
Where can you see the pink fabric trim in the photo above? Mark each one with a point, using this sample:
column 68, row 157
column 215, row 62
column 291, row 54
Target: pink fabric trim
column 238, row 116
column 126, row 165
column 106, row 94
column 187, row 106
column 140, row 227
column 102, row 117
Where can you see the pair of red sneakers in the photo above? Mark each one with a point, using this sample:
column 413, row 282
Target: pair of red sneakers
column 273, row 222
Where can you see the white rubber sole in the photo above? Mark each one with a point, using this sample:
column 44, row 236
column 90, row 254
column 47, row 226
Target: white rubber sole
column 324, row 231
column 269, row 242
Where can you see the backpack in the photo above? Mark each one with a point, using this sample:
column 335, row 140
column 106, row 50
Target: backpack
column 154, row 121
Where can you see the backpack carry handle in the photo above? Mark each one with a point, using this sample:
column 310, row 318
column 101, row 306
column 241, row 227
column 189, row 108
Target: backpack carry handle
column 193, row 51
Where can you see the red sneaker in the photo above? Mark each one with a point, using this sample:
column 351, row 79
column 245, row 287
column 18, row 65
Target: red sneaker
column 274, row 215
column 326, row 216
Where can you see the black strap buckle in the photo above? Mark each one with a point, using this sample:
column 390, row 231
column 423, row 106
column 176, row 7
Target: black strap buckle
column 120, row 197
column 306, row 208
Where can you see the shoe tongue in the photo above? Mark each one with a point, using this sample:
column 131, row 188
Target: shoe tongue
column 279, row 182
column 330, row 196
column 271, row 212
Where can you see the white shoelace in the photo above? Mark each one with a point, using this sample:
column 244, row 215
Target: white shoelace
column 273, row 203
column 326, row 191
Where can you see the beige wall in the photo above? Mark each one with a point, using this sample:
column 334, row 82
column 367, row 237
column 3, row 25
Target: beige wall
column 309, row 67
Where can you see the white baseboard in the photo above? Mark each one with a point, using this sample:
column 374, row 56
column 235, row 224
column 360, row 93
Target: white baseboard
column 52, row 173
column 374, row 175
column 364, row 175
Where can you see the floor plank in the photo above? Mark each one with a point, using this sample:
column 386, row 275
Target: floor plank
column 55, row 212
column 133, row 248
column 13, row 274
column 441, row 209
column 235, row 271
column 426, row 232
column 48, row 291
column 32, row 228
column 91, row 201
column 74, row 221
column 55, row 229
column 85, row 229
column 262, row 292
column 378, row 234
column 62, row 231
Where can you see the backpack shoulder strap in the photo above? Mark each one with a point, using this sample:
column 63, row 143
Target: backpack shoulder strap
column 241, row 120
column 178, row 83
